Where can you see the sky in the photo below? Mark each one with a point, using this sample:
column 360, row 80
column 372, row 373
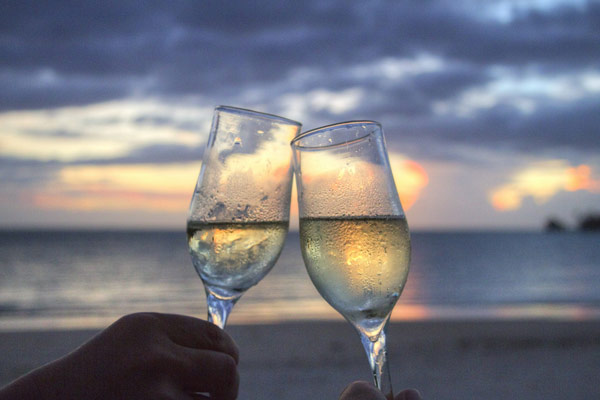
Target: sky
column 491, row 109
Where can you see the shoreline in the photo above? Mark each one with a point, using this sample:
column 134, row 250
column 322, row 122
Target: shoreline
column 444, row 359
column 317, row 310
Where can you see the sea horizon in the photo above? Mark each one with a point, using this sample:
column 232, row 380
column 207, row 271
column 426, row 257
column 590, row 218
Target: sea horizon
column 80, row 278
column 169, row 229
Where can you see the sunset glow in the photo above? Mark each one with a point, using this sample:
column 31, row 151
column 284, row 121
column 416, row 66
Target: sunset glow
column 168, row 188
column 164, row 189
column 580, row 178
column 541, row 181
column 410, row 178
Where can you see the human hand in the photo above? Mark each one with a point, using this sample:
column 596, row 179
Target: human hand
column 141, row 356
column 365, row 391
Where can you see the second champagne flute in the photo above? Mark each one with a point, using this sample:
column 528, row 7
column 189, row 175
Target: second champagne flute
column 239, row 213
column 353, row 232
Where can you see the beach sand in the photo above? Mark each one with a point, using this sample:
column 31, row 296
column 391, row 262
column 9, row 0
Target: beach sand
column 490, row 359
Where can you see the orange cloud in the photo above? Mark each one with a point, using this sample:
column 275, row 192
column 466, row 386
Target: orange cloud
column 97, row 200
column 410, row 178
column 168, row 188
column 580, row 178
column 541, row 181
column 506, row 198
column 143, row 187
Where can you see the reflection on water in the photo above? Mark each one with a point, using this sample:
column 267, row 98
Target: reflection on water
column 76, row 279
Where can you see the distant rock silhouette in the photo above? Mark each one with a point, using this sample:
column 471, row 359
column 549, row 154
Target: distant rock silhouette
column 590, row 223
column 554, row 225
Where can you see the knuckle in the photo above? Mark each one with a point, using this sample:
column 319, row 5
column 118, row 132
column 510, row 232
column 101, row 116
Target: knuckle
column 143, row 317
column 152, row 361
column 224, row 341
column 214, row 335
column 155, row 370
column 159, row 358
column 218, row 340
column 228, row 381
column 138, row 325
column 229, row 368
column 137, row 320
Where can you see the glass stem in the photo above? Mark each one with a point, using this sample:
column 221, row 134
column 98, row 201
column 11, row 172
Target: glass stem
column 377, row 354
column 219, row 308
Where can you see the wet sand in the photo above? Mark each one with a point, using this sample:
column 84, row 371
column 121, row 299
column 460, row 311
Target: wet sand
column 489, row 359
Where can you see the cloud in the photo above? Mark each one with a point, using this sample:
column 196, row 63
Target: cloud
column 410, row 178
column 131, row 83
column 555, row 126
column 161, row 189
column 542, row 181
column 97, row 51
column 102, row 132
column 17, row 173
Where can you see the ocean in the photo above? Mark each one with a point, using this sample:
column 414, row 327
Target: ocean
column 87, row 279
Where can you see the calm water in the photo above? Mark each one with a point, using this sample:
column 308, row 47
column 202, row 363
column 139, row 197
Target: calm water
column 87, row 279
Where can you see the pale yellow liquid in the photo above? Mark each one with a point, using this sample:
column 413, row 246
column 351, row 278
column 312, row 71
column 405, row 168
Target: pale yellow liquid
column 232, row 257
column 359, row 265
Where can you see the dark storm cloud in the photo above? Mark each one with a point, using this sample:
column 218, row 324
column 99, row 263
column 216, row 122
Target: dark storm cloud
column 189, row 46
column 554, row 127
column 565, row 35
column 413, row 97
column 575, row 125
column 44, row 89
column 61, row 53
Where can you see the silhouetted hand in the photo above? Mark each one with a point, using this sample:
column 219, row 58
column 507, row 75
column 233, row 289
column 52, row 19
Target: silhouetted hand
column 365, row 391
column 141, row 356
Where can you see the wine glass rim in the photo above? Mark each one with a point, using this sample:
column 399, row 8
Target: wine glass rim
column 296, row 141
column 258, row 114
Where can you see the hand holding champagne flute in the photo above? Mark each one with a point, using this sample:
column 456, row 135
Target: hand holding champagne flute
column 239, row 214
column 353, row 232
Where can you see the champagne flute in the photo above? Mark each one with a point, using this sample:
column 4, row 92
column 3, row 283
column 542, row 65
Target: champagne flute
column 239, row 213
column 353, row 232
